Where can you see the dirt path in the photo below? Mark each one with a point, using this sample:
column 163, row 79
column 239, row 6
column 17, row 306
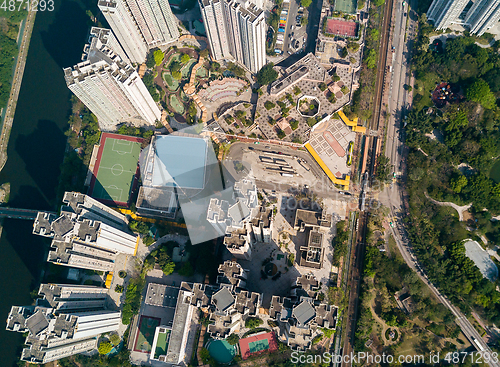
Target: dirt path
column 460, row 209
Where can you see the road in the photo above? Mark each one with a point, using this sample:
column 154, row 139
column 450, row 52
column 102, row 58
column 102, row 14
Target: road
column 16, row 87
column 395, row 151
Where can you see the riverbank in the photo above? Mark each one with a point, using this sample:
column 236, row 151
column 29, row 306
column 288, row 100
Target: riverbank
column 16, row 86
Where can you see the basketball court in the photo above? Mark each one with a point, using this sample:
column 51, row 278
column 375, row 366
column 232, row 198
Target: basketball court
column 116, row 169
column 145, row 334
column 260, row 343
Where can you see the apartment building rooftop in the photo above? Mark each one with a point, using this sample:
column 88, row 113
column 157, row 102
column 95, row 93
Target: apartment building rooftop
column 308, row 68
column 304, row 218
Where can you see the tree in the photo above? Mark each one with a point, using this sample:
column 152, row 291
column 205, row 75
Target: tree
column 371, row 59
column 233, row 339
column 253, row 322
column 186, row 270
column 343, row 53
column 185, row 58
column 269, row 105
column 150, row 60
column 383, row 168
column 114, row 339
column 458, row 183
column 305, row 3
column 378, row 2
column 267, row 74
column 168, row 268
column 177, row 75
column 304, row 20
column 204, row 53
column 352, row 46
column 158, row 56
column 480, row 92
column 105, row 348
column 322, row 86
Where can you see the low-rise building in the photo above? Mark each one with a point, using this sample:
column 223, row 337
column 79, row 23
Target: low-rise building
column 171, row 338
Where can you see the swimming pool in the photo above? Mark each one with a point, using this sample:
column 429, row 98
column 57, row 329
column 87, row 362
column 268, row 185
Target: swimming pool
column 221, row 351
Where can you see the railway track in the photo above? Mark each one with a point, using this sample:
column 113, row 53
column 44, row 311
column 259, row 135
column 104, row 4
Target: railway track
column 358, row 252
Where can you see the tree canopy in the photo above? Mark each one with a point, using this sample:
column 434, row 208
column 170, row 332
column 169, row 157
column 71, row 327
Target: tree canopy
column 267, row 74
column 480, row 92
column 158, row 56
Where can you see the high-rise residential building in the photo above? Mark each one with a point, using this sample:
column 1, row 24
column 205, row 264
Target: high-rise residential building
column 66, row 321
column 125, row 28
column 87, row 234
column 140, row 24
column 482, row 16
column 102, row 36
column 445, row 12
column 236, row 30
column 111, row 89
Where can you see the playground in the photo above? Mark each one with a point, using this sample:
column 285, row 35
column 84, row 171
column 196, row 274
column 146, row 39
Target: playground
column 145, row 334
column 115, row 171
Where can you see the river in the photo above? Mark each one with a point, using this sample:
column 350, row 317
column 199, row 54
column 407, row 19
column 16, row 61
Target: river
column 35, row 152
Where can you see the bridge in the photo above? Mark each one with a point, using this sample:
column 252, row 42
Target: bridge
column 15, row 213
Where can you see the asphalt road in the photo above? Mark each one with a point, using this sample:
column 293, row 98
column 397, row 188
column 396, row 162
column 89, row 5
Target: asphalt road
column 394, row 195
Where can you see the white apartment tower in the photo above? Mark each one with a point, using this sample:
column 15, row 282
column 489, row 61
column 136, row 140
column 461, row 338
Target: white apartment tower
column 482, row 16
column 445, row 12
column 103, row 36
column 125, row 28
column 66, row 321
column 111, row 89
column 235, row 30
column 140, row 24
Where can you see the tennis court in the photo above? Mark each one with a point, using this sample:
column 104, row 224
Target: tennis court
column 115, row 171
column 256, row 344
column 346, row 6
column 146, row 334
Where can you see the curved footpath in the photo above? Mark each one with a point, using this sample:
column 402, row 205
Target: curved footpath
column 16, row 86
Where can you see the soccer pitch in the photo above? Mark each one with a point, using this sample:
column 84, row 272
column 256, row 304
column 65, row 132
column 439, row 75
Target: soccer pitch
column 116, row 167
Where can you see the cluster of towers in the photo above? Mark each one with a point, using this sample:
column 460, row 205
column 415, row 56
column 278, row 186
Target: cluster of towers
column 481, row 16
column 107, row 83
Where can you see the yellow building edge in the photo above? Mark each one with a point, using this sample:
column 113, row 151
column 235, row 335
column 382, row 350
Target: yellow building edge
column 352, row 123
column 344, row 182
column 136, row 245
column 346, row 120
column 149, row 220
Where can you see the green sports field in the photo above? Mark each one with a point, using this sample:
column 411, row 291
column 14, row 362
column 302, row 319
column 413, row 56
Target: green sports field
column 116, row 170
column 146, row 333
column 346, row 6
column 258, row 345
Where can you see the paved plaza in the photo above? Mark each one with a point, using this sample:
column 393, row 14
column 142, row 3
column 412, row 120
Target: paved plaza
column 330, row 140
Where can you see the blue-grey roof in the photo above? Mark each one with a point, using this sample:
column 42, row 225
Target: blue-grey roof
column 179, row 161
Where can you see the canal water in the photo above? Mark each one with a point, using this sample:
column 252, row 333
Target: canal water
column 35, row 153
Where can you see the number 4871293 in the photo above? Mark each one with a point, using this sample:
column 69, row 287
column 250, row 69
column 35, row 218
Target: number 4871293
column 30, row 5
